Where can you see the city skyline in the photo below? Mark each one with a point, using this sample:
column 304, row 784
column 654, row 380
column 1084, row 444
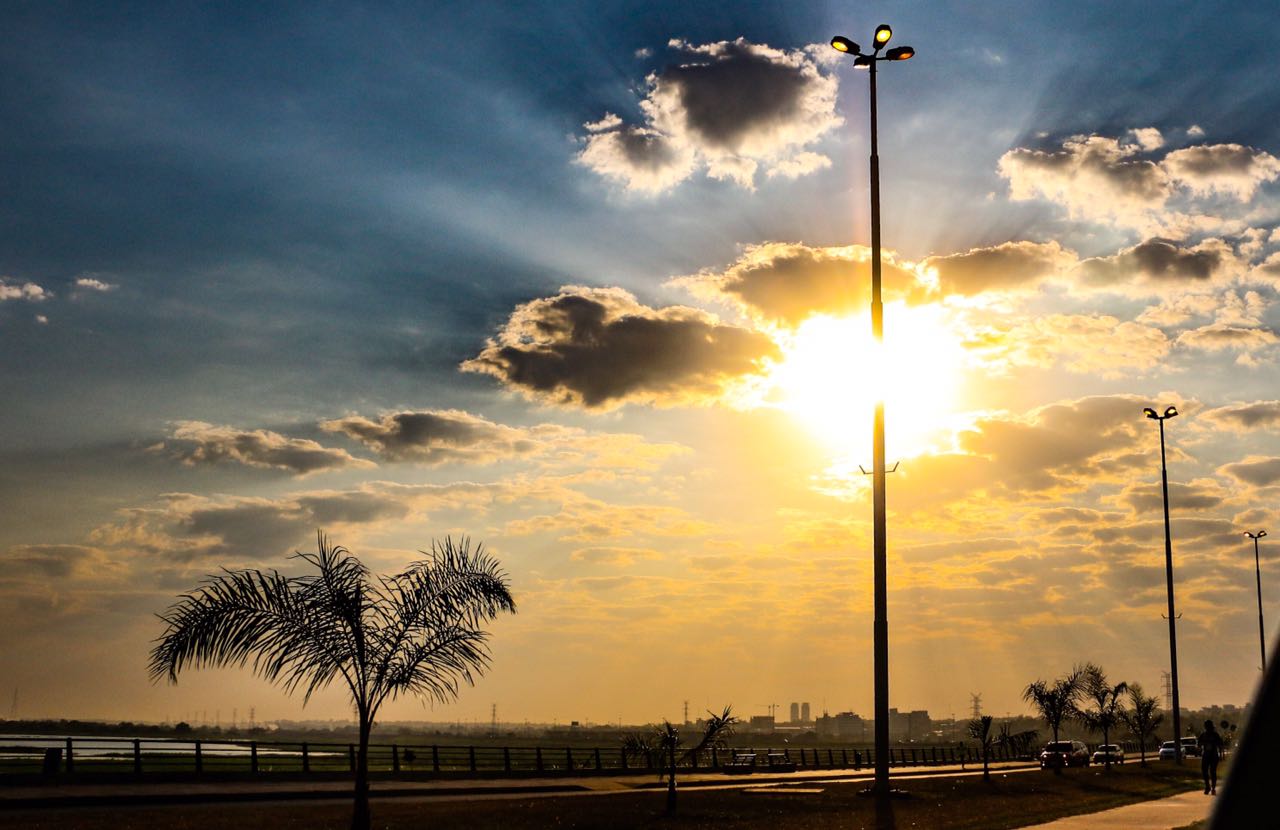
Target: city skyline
column 597, row 299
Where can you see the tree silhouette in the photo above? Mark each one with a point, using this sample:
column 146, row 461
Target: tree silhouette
column 415, row 633
column 664, row 743
column 1107, row 711
column 1055, row 703
column 980, row 730
column 1143, row 719
column 1016, row 743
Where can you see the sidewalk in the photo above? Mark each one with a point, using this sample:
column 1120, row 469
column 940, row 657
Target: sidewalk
column 1163, row 814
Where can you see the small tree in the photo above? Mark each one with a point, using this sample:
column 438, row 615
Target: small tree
column 1055, row 703
column 664, row 744
column 1016, row 743
column 1143, row 718
column 980, row 730
column 416, row 633
column 1107, row 712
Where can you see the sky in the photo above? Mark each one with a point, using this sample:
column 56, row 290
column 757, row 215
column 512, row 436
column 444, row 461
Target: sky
column 588, row 283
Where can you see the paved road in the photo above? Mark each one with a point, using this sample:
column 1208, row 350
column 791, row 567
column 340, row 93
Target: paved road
column 1162, row 814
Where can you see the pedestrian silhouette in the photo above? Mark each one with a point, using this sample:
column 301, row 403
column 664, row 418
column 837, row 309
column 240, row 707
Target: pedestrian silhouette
column 1211, row 746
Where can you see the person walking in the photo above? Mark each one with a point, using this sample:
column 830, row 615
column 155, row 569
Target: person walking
column 1211, row 750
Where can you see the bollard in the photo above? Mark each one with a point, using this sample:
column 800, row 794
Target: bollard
column 622, row 755
column 253, row 757
column 52, row 761
column 71, row 763
column 715, row 759
column 137, row 757
column 844, row 758
column 568, row 756
column 538, row 757
column 306, row 758
column 598, row 767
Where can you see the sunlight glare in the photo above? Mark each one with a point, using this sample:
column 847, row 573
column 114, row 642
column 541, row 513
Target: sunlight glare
column 832, row 375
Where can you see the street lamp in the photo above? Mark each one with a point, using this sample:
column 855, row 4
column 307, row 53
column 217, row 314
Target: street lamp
column 880, row 633
column 1171, row 412
column 1257, row 570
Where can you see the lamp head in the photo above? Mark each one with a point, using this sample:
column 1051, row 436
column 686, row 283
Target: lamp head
column 1171, row 412
column 842, row 44
column 863, row 61
column 900, row 53
column 1261, row 533
column 1150, row 413
column 883, row 33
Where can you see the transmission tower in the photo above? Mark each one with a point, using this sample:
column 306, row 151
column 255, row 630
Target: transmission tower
column 493, row 719
column 686, row 713
column 975, row 698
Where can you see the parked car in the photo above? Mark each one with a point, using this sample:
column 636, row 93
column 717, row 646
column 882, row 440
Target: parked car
column 1064, row 754
column 1108, row 752
column 1191, row 747
column 1168, row 751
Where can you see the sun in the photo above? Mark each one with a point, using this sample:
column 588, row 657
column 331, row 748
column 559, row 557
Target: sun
column 833, row 372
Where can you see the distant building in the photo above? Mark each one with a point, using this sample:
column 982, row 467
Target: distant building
column 795, row 712
column 804, row 713
column 761, row 723
column 845, row 726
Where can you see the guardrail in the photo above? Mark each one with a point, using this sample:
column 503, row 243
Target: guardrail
column 83, row 757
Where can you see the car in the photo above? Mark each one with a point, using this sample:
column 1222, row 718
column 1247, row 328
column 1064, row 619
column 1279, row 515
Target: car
column 1168, row 751
column 1191, row 747
column 1108, row 752
column 1064, row 754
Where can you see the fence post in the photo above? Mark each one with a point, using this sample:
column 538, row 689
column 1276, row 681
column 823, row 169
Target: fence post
column 137, row 757
column 844, row 758
column 71, row 761
column 538, row 757
column 351, row 756
column 506, row 759
column 306, row 758
column 199, row 758
column 622, row 754
column 471, row 756
column 435, row 758
column 395, row 758
column 253, row 757
column 598, row 767
column 568, row 757
column 693, row 756
column 715, row 758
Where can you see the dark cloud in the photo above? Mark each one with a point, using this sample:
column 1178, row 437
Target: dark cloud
column 1007, row 267
column 1257, row 470
column 1230, row 169
column 52, row 561
column 196, row 442
column 1157, row 261
column 1244, row 416
column 1218, row 337
column 599, row 348
column 730, row 107
column 437, row 437
column 1200, row 495
column 784, row 283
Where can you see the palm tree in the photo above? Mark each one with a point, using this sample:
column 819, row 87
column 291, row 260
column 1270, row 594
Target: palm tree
column 1143, row 719
column 1107, row 711
column 1016, row 743
column 980, row 730
column 1055, row 703
column 664, row 742
column 415, row 633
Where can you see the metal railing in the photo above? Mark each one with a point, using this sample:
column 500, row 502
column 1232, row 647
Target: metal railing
column 80, row 757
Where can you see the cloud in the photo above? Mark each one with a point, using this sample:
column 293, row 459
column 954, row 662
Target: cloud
column 617, row 556
column 730, row 107
column 1245, row 416
column 783, row 283
column 1085, row 343
column 54, row 562
column 1222, row 169
column 1158, row 262
column 449, row 436
column 1092, row 176
column 1257, row 470
column 1098, row 178
column 95, row 284
column 1007, row 267
column 599, row 348
column 22, row 291
column 197, row 443
column 1218, row 337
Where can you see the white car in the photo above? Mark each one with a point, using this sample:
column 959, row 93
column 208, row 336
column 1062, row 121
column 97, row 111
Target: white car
column 1168, row 751
column 1108, row 752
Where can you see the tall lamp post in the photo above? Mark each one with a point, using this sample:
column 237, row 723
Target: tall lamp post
column 880, row 632
column 1171, row 412
column 1257, row 570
